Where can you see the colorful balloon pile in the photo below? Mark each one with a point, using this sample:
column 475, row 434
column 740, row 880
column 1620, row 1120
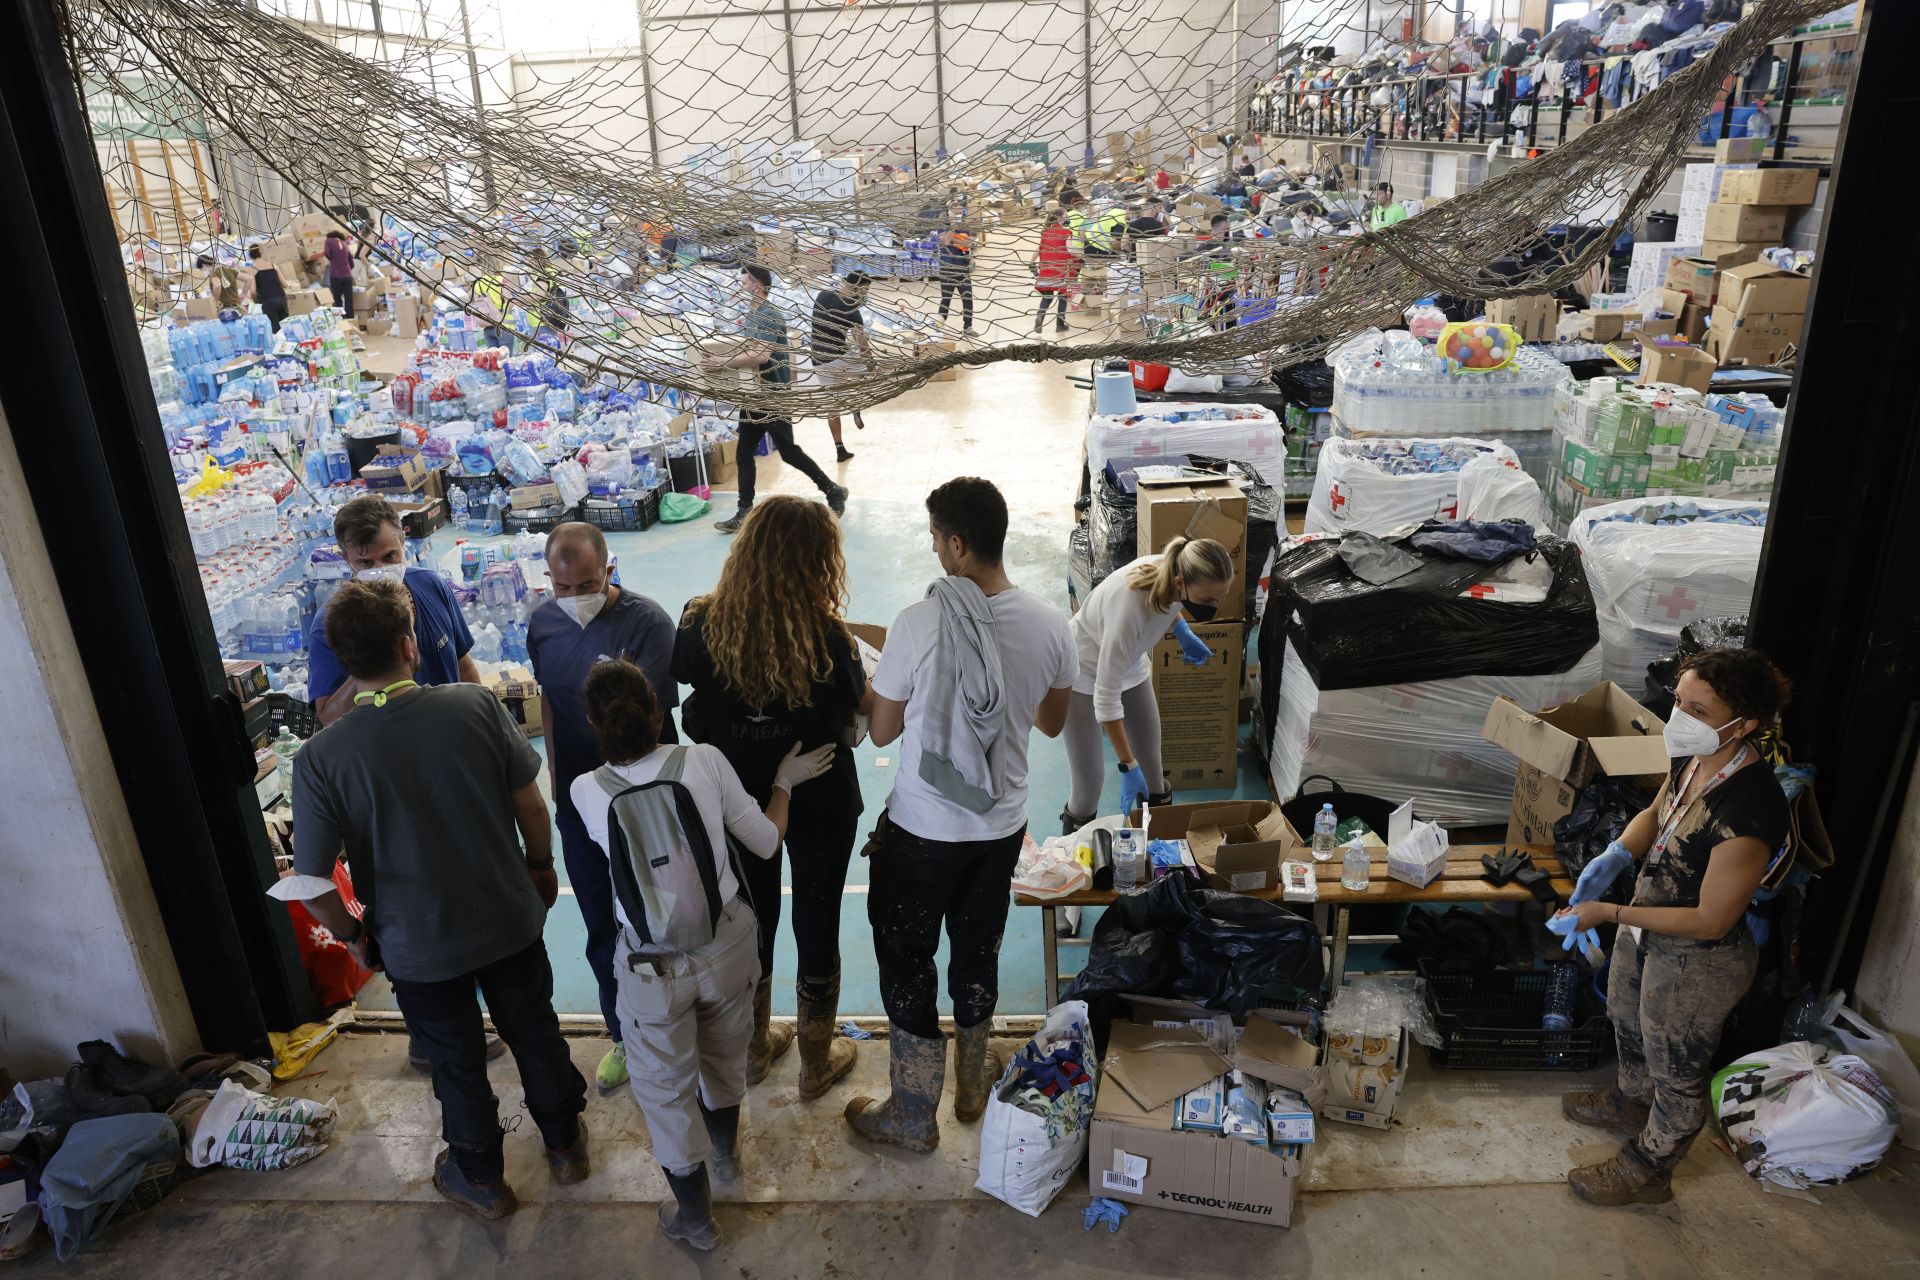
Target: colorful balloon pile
column 1479, row 346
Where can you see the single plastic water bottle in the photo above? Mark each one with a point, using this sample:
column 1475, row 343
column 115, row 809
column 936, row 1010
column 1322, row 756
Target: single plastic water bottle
column 457, row 508
column 1355, row 867
column 1324, row 823
column 1127, row 859
column 285, row 748
column 1560, row 992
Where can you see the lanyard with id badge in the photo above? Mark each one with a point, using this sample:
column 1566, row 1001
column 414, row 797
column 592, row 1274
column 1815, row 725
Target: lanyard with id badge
column 1677, row 805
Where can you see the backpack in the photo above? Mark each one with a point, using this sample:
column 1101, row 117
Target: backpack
column 663, row 865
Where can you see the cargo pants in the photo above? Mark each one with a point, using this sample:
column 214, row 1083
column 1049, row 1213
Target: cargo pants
column 687, row 1019
column 1669, row 999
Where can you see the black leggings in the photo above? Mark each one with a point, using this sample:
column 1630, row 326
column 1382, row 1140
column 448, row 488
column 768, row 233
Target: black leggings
column 1047, row 298
column 755, row 424
column 817, row 858
column 342, row 287
column 276, row 311
column 963, row 285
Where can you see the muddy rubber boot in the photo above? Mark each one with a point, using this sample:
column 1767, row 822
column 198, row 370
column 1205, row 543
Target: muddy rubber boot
column 723, row 1131
column 1622, row 1179
column 1604, row 1109
column 770, row 1039
column 689, row 1218
column 825, row 1055
column 908, row 1117
column 975, row 1068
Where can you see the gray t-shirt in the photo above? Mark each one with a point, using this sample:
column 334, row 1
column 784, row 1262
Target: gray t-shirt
column 418, row 794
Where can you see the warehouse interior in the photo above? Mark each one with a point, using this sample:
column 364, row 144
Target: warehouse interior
column 1485, row 340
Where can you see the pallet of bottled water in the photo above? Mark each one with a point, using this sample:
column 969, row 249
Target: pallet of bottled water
column 1397, row 386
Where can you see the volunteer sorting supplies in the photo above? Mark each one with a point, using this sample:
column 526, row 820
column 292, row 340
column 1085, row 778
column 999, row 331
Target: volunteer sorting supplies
column 1377, row 485
column 1244, row 432
column 1386, row 687
column 1657, row 564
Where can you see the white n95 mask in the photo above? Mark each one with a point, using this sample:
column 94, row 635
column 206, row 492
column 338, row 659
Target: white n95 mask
column 1688, row 736
column 382, row 573
column 583, row 609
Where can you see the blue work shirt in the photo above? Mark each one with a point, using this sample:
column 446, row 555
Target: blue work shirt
column 438, row 628
column 562, row 652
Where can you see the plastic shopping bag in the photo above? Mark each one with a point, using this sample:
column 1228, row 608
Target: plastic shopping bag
column 1049, row 870
column 1800, row 1116
column 246, row 1130
column 1034, row 1134
column 1889, row 1061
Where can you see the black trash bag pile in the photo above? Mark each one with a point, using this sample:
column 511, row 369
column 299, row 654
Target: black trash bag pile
column 1113, row 527
column 1697, row 636
column 1457, row 940
column 1600, row 812
column 1308, row 384
column 1225, row 951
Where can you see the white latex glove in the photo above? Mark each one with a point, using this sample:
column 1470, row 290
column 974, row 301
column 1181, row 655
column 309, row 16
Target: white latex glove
column 796, row 768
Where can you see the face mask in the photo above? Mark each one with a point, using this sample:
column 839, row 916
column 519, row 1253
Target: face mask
column 583, row 609
column 382, row 573
column 1201, row 612
column 1688, row 736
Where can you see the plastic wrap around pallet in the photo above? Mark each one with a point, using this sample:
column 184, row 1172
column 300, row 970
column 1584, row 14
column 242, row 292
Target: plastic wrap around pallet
column 1418, row 741
column 1649, row 580
column 1354, row 492
column 1244, row 432
column 1490, row 490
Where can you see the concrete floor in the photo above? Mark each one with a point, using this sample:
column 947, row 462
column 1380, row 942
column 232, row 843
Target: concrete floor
column 1468, row 1185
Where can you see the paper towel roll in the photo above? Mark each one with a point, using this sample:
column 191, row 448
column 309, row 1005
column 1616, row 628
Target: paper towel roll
column 1113, row 392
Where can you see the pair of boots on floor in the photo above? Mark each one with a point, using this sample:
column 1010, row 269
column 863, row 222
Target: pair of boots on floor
column 909, row 1117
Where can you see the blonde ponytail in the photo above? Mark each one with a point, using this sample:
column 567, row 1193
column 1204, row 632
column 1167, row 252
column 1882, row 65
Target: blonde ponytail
column 1194, row 560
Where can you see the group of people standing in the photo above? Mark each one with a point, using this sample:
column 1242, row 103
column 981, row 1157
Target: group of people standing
column 673, row 847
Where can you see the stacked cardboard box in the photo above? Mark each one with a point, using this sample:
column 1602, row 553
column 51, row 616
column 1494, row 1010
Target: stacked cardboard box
column 1200, row 706
column 1649, row 267
column 1534, row 317
column 1752, row 208
column 1760, row 311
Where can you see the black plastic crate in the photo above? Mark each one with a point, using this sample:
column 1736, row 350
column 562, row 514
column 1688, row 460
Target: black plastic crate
column 1491, row 1022
column 612, row 518
column 515, row 522
column 296, row 715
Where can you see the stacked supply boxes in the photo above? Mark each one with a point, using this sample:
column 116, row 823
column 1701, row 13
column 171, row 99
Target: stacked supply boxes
column 1759, row 312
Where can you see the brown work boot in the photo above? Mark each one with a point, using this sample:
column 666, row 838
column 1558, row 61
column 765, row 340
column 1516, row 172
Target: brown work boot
column 1622, row 1178
column 770, row 1038
column 908, row 1117
column 975, row 1069
column 825, row 1055
column 571, row 1164
column 1604, row 1109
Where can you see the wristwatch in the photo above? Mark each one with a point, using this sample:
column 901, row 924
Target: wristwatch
column 1126, row 766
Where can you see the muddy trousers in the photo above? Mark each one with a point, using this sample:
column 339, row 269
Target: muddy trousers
column 1669, row 998
column 1087, row 745
column 920, row 885
column 686, row 1019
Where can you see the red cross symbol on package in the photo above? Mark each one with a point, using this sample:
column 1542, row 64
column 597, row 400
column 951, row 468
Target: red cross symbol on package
column 1335, row 498
column 1483, row 591
column 1677, row 603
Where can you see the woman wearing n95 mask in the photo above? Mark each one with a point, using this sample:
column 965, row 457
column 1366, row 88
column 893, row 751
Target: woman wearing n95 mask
column 1114, row 632
column 1684, row 956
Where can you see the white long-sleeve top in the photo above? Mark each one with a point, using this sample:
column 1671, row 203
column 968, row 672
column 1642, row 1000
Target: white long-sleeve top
column 1114, row 634
column 723, row 803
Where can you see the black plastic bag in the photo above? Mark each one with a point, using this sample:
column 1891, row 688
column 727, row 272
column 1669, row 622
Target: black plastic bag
column 1222, row 950
column 1113, row 523
column 1457, row 940
column 1697, row 636
column 1600, row 812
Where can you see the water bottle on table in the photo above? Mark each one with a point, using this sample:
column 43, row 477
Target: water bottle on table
column 1356, row 865
column 1128, row 860
column 1324, row 823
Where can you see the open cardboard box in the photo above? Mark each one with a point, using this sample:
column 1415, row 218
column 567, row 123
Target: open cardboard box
column 1561, row 749
column 1136, row 1155
column 394, row 470
column 1237, row 844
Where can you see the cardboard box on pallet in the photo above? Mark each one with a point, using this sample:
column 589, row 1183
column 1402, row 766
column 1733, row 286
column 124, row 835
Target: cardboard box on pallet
column 1197, row 508
column 1766, row 222
column 1768, row 186
column 1561, row 749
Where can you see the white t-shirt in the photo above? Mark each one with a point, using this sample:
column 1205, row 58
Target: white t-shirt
column 723, row 803
column 1113, row 636
column 1036, row 657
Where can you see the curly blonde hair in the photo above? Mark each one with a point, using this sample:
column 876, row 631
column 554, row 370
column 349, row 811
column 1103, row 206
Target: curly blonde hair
column 782, row 592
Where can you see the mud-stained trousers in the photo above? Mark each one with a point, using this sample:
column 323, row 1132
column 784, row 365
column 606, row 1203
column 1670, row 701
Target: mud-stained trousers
column 917, row 886
column 1669, row 999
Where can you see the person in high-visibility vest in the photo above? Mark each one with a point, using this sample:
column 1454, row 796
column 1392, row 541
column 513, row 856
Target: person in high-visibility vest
column 1386, row 210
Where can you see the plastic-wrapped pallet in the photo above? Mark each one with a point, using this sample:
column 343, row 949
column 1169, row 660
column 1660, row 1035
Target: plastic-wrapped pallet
column 1385, row 687
column 1244, row 432
column 1418, row 741
column 1650, row 580
column 1372, row 486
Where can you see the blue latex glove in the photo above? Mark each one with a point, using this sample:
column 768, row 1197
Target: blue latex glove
column 1101, row 1209
column 1598, row 876
column 1589, row 940
column 1133, row 788
column 1191, row 645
